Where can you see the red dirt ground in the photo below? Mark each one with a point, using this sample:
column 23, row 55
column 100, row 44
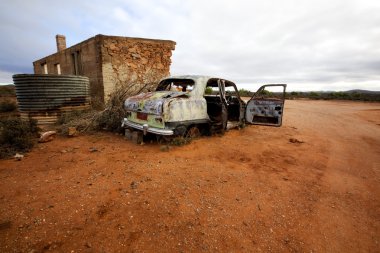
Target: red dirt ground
column 312, row 185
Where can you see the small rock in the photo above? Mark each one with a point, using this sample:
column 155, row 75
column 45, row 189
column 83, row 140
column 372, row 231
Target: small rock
column 73, row 131
column 47, row 136
column 18, row 157
column 93, row 149
column 88, row 245
column 294, row 140
column 164, row 148
column 5, row 225
column 134, row 185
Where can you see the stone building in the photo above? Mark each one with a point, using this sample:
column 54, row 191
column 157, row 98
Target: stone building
column 109, row 61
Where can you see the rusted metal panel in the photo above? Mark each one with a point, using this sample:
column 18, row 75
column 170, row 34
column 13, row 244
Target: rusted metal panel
column 266, row 109
column 46, row 97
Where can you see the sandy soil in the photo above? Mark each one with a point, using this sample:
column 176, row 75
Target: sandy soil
column 312, row 185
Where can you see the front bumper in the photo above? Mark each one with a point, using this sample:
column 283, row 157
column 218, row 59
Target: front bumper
column 145, row 128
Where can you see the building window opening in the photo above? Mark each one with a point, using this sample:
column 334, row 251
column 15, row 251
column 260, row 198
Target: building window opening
column 44, row 68
column 57, row 68
column 77, row 66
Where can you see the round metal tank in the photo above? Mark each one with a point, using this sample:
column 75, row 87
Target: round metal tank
column 46, row 97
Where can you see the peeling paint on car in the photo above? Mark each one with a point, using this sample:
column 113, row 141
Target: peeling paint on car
column 150, row 102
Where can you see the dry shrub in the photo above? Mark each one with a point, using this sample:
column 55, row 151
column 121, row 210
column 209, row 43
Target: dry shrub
column 8, row 106
column 83, row 121
column 111, row 116
column 17, row 136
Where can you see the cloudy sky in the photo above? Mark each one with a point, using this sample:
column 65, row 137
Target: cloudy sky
column 308, row 44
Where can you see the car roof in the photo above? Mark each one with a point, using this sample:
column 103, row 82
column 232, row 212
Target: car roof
column 196, row 78
column 193, row 77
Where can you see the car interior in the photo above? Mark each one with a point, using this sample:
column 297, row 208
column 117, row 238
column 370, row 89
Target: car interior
column 184, row 85
column 215, row 100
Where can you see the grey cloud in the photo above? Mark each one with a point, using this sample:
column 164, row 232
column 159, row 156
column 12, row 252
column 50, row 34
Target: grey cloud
column 307, row 43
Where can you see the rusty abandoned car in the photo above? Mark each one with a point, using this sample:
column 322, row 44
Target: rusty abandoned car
column 195, row 105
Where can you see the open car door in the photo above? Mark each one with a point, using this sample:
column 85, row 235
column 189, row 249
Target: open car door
column 266, row 107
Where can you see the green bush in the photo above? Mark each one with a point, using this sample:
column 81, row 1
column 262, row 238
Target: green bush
column 208, row 91
column 245, row 93
column 314, row 95
column 336, row 95
column 294, row 93
column 16, row 136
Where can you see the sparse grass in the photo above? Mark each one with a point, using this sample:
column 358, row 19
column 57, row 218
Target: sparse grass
column 180, row 141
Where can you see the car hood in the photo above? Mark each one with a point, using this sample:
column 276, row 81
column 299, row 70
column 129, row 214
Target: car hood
column 151, row 102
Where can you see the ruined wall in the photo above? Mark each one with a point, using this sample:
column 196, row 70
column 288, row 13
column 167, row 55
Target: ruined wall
column 111, row 61
column 87, row 63
column 134, row 60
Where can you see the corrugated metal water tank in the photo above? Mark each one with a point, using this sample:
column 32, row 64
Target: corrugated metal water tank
column 46, row 97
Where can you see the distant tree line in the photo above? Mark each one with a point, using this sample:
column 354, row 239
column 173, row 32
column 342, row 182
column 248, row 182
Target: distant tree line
column 359, row 95
column 336, row 95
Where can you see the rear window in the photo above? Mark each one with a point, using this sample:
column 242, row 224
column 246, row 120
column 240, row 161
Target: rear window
column 185, row 85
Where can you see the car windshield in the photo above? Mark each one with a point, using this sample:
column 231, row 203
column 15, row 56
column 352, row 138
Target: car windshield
column 184, row 85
